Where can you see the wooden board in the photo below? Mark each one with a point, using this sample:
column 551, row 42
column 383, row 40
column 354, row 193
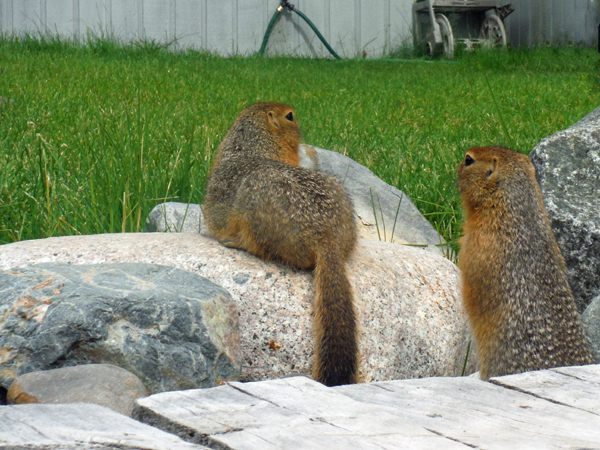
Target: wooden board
column 484, row 415
column 80, row 426
column 550, row 409
column 289, row 413
column 577, row 387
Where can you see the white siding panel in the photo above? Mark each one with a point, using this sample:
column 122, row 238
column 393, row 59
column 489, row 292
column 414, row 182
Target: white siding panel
column 592, row 18
column 373, row 27
column 218, row 27
column 24, row 16
column 238, row 26
column 343, row 33
column 188, row 17
column 158, row 21
column 59, row 16
column 400, row 24
column 251, row 26
column 92, row 17
column 124, row 15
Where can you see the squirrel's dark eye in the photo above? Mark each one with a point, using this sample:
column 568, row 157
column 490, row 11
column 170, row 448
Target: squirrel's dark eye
column 469, row 161
column 290, row 116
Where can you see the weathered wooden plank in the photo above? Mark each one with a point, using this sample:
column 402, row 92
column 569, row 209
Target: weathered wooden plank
column 206, row 412
column 589, row 373
column 80, row 426
column 323, row 436
column 282, row 414
column 482, row 414
column 572, row 386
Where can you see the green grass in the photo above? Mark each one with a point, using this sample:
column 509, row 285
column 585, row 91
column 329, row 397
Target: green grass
column 98, row 135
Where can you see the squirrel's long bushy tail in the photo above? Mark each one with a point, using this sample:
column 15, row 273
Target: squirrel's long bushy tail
column 336, row 348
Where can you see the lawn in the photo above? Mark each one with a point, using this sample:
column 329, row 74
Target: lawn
column 97, row 135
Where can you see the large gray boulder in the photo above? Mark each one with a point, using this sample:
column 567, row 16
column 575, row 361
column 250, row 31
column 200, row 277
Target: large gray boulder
column 411, row 322
column 568, row 170
column 383, row 212
column 171, row 328
column 591, row 325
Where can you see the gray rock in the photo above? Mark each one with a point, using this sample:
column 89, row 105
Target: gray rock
column 380, row 207
column 568, row 170
column 80, row 426
column 591, row 326
column 407, row 300
column 171, row 328
column 176, row 218
column 101, row 384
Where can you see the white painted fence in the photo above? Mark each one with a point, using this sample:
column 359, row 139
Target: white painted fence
column 554, row 21
column 238, row 26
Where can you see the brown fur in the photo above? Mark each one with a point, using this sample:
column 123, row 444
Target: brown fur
column 515, row 287
column 259, row 200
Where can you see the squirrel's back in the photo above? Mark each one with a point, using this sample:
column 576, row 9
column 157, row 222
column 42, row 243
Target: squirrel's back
column 257, row 188
column 515, row 287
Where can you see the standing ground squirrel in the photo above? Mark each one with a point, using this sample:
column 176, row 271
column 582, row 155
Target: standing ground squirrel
column 259, row 200
column 515, row 287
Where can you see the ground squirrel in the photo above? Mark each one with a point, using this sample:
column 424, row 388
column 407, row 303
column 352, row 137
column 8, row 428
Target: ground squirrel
column 515, row 287
column 259, row 200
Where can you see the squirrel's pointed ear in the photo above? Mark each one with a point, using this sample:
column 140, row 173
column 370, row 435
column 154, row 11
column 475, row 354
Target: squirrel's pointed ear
column 272, row 118
column 493, row 167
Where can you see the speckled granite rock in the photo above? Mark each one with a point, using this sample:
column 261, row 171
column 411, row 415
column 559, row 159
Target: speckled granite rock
column 410, row 315
column 360, row 183
column 591, row 325
column 171, row 328
column 101, row 384
column 568, row 170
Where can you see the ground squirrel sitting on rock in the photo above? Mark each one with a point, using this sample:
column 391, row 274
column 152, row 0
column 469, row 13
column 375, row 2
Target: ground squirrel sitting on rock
column 259, row 200
column 515, row 287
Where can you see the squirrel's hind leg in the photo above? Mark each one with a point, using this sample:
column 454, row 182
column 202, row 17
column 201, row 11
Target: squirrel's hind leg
column 238, row 234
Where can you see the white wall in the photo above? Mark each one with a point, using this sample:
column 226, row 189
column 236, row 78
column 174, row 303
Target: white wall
column 555, row 21
column 238, row 26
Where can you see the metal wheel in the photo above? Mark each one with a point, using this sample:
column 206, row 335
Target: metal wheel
column 447, row 35
column 493, row 32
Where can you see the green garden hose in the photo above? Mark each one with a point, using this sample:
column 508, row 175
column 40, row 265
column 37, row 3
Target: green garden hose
column 285, row 4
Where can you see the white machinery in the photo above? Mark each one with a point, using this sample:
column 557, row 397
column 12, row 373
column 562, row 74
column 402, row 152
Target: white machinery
column 439, row 24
